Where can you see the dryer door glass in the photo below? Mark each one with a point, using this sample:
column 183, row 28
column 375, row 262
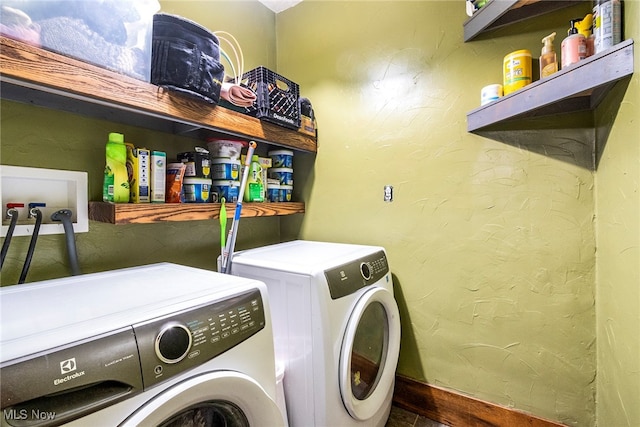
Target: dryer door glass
column 210, row 414
column 368, row 352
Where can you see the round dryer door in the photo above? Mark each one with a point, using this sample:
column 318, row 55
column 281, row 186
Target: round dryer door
column 369, row 354
column 221, row 398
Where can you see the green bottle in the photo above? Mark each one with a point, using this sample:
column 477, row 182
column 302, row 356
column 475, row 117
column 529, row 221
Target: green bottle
column 115, row 186
column 253, row 191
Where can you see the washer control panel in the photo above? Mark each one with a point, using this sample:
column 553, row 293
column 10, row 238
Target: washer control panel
column 172, row 344
column 347, row 278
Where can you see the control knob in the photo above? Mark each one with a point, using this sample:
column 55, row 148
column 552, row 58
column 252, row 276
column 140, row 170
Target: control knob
column 173, row 342
column 365, row 270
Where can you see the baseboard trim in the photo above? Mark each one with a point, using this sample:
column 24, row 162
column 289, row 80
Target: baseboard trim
column 457, row 410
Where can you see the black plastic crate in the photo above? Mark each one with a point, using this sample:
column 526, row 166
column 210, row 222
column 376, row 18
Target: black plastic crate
column 277, row 97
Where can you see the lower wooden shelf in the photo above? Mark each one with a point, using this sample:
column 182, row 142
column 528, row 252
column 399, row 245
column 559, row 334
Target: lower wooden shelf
column 132, row 213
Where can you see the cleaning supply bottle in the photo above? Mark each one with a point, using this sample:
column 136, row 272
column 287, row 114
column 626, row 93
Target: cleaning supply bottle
column 573, row 47
column 548, row 59
column 115, row 186
column 608, row 24
column 585, row 27
column 254, row 191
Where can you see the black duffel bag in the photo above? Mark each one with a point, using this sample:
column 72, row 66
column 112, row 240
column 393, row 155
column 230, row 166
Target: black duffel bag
column 185, row 57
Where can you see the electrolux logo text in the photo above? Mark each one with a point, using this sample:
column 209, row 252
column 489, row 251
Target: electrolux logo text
column 66, row 367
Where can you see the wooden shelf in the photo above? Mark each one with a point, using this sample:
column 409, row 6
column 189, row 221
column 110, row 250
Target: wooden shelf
column 32, row 75
column 577, row 88
column 146, row 213
column 500, row 13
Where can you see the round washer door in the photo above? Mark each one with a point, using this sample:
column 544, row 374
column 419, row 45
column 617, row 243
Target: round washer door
column 220, row 398
column 369, row 354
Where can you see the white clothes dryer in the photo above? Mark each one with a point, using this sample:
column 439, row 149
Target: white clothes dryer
column 159, row 345
column 336, row 326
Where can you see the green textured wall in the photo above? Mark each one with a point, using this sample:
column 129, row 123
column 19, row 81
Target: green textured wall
column 618, row 237
column 39, row 137
column 492, row 244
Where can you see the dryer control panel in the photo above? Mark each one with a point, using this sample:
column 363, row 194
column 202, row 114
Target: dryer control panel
column 180, row 341
column 347, row 278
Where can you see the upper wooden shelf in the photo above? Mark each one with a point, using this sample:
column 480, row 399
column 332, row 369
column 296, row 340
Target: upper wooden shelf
column 146, row 213
column 500, row 13
column 37, row 76
column 579, row 87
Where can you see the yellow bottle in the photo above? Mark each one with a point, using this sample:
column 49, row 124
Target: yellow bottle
column 585, row 27
column 116, row 179
column 548, row 58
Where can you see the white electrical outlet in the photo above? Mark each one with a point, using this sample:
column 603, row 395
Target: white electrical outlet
column 58, row 189
column 388, row 193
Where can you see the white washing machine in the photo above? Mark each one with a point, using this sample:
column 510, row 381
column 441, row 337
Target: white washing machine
column 336, row 326
column 159, row 345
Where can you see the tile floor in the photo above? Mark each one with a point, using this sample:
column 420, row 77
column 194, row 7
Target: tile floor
column 402, row 418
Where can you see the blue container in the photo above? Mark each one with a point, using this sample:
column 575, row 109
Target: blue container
column 273, row 193
column 281, row 158
column 286, row 192
column 225, row 188
column 196, row 190
column 225, row 169
column 283, row 175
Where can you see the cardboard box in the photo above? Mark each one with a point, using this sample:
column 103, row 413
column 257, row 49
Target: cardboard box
column 158, row 176
column 307, row 125
column 139, row 170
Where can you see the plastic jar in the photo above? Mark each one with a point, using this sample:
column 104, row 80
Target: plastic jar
column 196, row 190
column 281, row 158
column 517, row 71
column 286, row 192
column 198, row 164
column 273, row 192
column 225, row 188
column 284, row 175
column 490, row 93
column 225, row 169
column 230, row 148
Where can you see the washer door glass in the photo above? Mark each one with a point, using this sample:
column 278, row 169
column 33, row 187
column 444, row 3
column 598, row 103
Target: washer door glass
column 216, row 398
column 211, row 414
column 369, row 354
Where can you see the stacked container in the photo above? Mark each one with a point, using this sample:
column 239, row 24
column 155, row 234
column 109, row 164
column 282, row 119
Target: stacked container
column 225, row 170
column 196, row 184
column 280, row 182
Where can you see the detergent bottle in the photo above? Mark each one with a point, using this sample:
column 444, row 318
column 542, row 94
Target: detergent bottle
column 548, row 59
column 254, row 191
column 608, row 24
column 115, row 186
